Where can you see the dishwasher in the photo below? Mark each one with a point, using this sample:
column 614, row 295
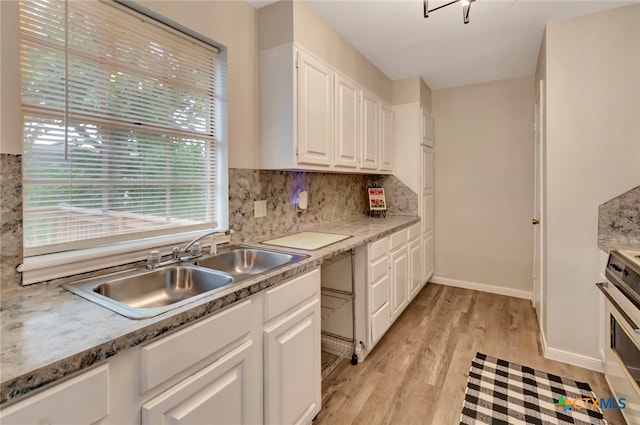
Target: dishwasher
column 338, row 318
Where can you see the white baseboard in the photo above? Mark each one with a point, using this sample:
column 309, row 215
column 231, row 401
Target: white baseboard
column 573, row 358
column 483, row 287
column 569, row 357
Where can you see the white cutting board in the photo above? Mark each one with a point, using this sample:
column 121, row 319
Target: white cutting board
column 307, row 240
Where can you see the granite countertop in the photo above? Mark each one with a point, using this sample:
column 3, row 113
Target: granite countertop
column 48, row 333
column 619, row 243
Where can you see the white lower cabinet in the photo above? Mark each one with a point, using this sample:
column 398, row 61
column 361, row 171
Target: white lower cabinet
column 217, row 395
column 292, row 365
column 394, row 277
column 415, row 267
column 399, row 279
column 378, row 305
column 255, row 362
column 428, row 256
column 212, row 364
column 82, row 400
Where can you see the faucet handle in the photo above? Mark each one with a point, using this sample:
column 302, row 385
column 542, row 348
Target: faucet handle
column 153, row 259
column 214, row 246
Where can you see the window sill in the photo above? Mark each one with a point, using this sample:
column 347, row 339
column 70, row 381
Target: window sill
column 47, row 267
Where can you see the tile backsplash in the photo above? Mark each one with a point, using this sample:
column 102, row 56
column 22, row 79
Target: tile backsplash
column 10, row 219
column 332, row 197
column 619, row 221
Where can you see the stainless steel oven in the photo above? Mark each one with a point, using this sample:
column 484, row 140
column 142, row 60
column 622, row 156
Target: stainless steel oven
column 622, row 316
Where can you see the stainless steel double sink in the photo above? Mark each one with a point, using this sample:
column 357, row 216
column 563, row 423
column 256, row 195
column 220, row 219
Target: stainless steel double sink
column 143, row 293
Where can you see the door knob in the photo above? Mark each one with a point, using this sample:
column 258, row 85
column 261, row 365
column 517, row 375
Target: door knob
column 535, row 221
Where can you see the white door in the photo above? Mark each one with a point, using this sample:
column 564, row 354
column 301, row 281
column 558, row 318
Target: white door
column 386, row 138
column 315, row 106
column 370, row 132
column 292, row 369
column 399, row 280
column 347, row 122
column 218, row 394
column 538, row 283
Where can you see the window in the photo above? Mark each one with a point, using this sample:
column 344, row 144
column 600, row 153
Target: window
column 120, row 127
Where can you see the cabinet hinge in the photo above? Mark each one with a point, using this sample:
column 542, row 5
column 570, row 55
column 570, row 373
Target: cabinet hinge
column 297, row 63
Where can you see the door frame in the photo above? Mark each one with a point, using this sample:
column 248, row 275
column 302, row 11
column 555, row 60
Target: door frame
column 538, row 209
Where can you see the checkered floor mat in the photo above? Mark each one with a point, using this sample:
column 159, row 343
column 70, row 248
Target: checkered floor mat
column 504, row 393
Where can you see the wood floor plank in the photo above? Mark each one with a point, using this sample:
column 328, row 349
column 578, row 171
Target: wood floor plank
column 417, row 373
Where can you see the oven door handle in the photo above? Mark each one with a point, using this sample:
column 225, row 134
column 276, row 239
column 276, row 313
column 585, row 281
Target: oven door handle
column 601, row 286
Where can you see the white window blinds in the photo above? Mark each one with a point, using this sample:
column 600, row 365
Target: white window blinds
column 119, row 126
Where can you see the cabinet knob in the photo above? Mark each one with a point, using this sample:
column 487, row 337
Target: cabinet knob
column 535, row 221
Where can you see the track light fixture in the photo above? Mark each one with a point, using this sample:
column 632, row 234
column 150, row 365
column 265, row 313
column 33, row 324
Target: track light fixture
column 466, row 6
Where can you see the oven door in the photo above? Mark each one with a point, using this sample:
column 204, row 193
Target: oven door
column 622, row 355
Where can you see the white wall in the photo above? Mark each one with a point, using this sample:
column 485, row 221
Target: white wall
column 593, row 154
column 484, row 149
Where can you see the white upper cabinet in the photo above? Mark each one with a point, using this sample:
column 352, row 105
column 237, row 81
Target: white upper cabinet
column 386, row 137
column 315, row 107
column 347, row 122
column 314, row 118
column 427, row 129
column 370, row 131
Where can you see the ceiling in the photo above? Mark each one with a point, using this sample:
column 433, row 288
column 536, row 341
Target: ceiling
column 501, row 41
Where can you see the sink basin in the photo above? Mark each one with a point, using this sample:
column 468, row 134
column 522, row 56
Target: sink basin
column 243, row 262
column 146, row 293
column 142, row 293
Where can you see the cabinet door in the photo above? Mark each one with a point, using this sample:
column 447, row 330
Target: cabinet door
column 380, row 322
column 427, row 129
column 292, row 370
column 315, row 106
column 428, row 257
column 415, row 267
column 427, row 214
column 222, row 393
column 399, row 280
column 427, row 190
column 347, row 122
column 370, row 132
column 386, row 138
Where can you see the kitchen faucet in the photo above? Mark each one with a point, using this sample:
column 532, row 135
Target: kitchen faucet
column 177, row 254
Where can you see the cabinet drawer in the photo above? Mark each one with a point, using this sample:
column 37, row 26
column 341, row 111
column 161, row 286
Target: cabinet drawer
column 378, row 268
column 175, row 353
column 81, row 400
column 414, row 231
column 378, row 248
column 380, row 321
column 281, row 298
column 218, row 394
column 396, row 240
column 379, row 293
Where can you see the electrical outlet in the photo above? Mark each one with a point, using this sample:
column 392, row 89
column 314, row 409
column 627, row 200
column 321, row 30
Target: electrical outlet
column 259, row 209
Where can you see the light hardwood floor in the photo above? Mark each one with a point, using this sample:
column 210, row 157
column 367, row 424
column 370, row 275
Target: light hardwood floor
column 418, row 371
